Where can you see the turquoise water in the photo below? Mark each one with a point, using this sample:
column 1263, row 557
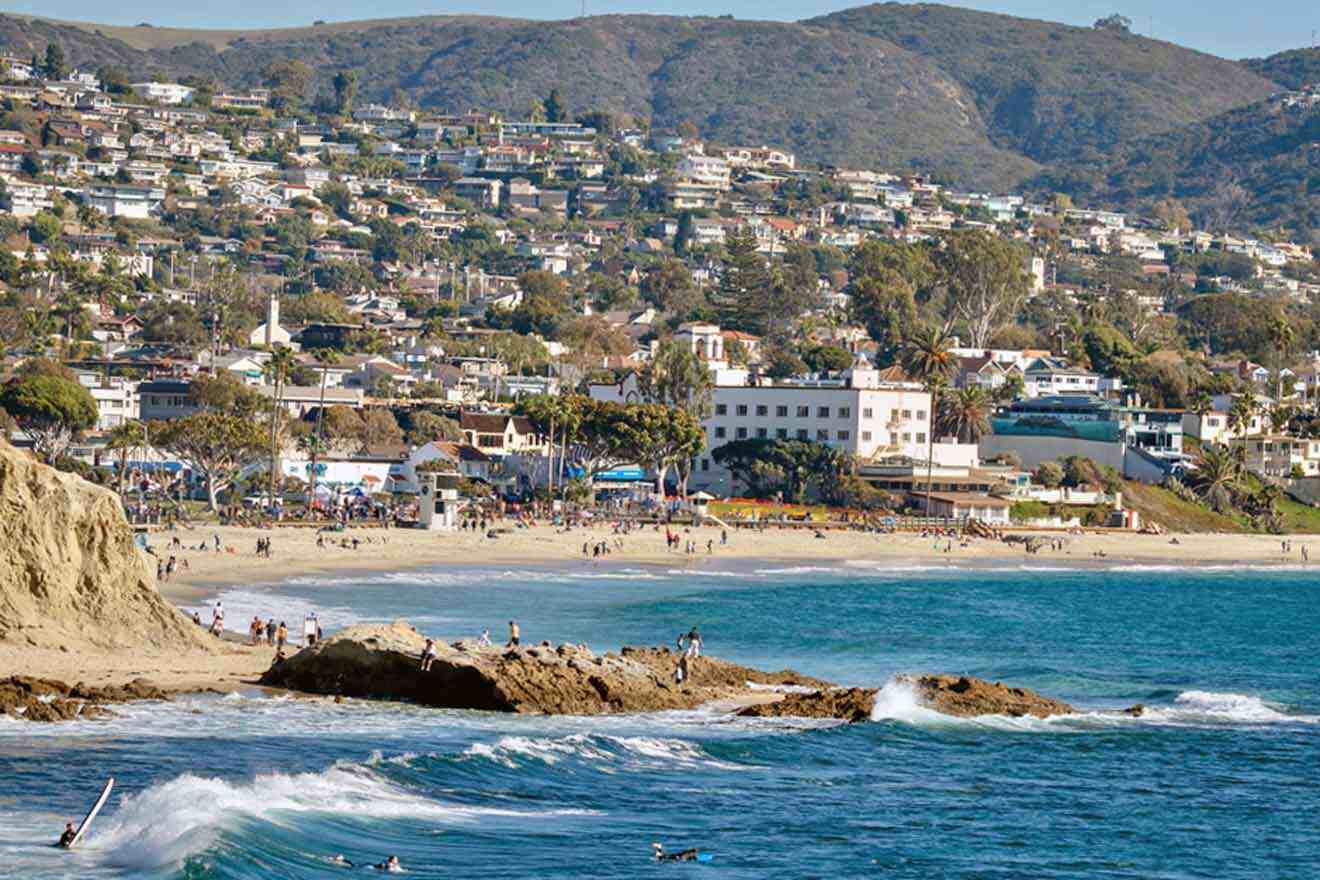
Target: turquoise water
column 1219, row 779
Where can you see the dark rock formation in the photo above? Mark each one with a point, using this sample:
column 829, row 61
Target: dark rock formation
column 384, row 662
column 849, row 704
column 959, row 696
column 966, row 697
column 41, row 699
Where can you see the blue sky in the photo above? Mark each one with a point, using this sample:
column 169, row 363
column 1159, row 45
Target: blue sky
column 1231, row 29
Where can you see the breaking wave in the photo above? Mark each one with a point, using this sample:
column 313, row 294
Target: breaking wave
column 605, row 752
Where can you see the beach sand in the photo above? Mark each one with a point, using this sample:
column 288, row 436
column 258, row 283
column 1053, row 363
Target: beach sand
column 294, row 553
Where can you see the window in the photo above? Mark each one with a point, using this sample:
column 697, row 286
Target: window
column 845, row 412
column 802, row 433
column 719, row 433
column 822, row 412
column 921, row 437
column 866, row 412
column 907, row 413
column 742, row 433
column 907, row 438
column 921, row 415
column 742, row 409
column 804, row 411
column 762, row 410
column 822, row 436
column 781, row 433
column 866, row 436
column 781, row 412
column 705, row 464
column 760, row 433
column 1213, row 423
column 843, row 435
column 721, row 409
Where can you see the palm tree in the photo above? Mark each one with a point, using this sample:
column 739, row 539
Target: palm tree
column 325, row 358
column 123, row 439
column 1240, row 414
column 1281, row 415
column 928, row 357
column 278, row 370
column 1217, row 479
column 966, row 413
column 1281, row 336
column 1202, row 402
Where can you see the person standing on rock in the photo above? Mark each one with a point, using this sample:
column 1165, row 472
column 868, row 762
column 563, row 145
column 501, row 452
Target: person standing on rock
column 514, row 634
column 693, row 643
column 428, row 655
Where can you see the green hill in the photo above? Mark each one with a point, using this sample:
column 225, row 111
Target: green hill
column 1254, row 166
column 1292, row 69
column 1056, row 92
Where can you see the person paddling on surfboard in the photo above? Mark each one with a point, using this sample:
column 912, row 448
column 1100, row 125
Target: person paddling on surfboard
column 66, row 839
column 687, row 855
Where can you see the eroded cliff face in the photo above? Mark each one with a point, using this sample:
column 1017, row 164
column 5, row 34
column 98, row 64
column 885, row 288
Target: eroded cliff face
column 70, row 574
column 383, row 662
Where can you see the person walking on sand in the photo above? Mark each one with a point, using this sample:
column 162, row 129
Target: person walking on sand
column 514, row 635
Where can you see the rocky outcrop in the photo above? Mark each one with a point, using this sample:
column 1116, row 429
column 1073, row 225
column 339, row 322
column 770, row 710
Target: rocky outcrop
column 848, row 704
column 383, row 662
column 956, row 695
column 70, row 574
column 41, row 699
column 966, row 697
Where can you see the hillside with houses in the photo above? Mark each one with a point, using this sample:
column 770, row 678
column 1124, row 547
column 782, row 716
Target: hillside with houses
column 243, row 297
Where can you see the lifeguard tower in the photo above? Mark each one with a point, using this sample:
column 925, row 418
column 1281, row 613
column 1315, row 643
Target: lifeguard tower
column 438, row 502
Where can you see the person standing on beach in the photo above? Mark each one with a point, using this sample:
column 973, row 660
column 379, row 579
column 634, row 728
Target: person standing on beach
column 514, row 634
column 281, row 636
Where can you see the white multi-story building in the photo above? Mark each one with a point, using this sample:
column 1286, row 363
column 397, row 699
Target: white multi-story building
column 706, row 170
column 858, row 413
column 135, row 202
column 116, row 399
column 165, row 93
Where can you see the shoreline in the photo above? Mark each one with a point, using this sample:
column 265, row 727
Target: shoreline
column 233, row 665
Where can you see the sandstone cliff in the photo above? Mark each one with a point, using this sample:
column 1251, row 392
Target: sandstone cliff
column 382, row 661
column 70, row 575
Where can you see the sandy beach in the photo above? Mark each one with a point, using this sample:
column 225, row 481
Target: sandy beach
column 294, row 551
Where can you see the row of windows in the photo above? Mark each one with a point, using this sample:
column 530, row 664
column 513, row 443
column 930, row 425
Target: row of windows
column 803, row 412
column 822, row 435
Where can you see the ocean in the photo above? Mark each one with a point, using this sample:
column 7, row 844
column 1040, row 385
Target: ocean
column 1219, row 779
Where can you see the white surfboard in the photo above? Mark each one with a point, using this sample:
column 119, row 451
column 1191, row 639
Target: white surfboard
column 91, row 814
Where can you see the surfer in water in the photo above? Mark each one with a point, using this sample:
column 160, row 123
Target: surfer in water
column 341, row 861
column 687, row 855
column 69, row 835
column 390, row 865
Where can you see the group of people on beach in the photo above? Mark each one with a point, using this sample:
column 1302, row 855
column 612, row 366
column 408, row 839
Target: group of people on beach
column 268, row 633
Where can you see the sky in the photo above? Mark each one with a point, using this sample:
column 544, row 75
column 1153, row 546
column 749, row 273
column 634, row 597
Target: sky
column 1223, row 27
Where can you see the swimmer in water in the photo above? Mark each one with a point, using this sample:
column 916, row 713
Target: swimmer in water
column 687, row 855
column 341, row 861
column 390, row 865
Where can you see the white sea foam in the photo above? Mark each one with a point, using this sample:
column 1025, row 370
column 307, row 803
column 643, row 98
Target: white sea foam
column 781, row 688
column 603, row 751
column 1211, row 707
column 164, row 824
